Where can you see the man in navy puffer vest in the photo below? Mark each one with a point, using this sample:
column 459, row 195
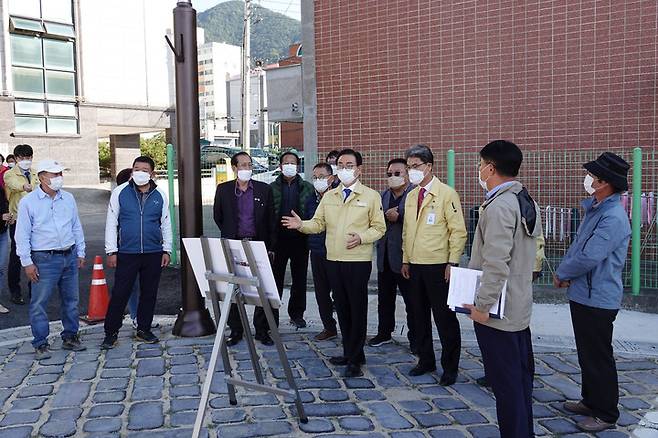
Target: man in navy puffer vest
column 137, row 241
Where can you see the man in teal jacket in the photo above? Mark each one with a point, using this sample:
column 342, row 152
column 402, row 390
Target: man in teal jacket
column 592, row 270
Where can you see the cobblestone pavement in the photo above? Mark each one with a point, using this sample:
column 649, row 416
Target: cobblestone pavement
column 140, row 390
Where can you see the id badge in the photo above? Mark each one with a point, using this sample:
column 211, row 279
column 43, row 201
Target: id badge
column 431, row 219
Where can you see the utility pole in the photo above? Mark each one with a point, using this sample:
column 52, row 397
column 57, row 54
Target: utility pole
column 246, row 79
column 262, row 122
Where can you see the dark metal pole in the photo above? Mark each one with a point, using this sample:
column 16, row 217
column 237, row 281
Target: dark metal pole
column 194, row 319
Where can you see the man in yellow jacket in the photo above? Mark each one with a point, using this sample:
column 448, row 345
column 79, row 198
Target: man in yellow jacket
column 351, row 214
column 19, row 181
column 433, row 239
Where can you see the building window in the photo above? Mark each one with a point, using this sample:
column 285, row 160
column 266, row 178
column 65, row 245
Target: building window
column 42, row 39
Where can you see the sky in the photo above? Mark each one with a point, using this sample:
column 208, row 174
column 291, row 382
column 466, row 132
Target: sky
column 290, row 8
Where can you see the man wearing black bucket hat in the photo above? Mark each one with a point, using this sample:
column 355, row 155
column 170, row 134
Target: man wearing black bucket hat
column 591, row 269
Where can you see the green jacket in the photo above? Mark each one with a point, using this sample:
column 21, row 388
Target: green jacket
column 306, row 190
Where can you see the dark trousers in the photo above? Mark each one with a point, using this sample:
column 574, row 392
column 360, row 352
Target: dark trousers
column 148, row 267
column 323, row 290
column 509, row 366
column 429, row 294
column 14, row 267
column 387, row 284
column 592, row 328
column 296, row 250
column 260, row 321
column 349, row 282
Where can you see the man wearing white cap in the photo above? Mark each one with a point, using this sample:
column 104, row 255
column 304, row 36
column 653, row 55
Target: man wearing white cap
column 51, row 247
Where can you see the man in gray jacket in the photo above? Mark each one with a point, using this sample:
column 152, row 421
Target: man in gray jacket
column 504, row 248
column 592, row 270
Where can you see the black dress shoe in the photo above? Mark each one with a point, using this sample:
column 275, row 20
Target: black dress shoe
column 265, row 339
column 353, row 370
column 17, row 299
column 338, row 360
column 233, row 339
column 447, row 379
column 421, row 369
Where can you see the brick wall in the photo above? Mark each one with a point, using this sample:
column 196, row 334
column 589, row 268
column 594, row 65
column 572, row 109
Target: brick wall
column 457, row 74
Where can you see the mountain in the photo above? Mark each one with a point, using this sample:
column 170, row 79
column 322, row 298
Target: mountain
column 271, row 33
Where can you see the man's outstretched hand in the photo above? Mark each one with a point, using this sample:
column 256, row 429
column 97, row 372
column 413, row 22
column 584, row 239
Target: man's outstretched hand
column 293, row 222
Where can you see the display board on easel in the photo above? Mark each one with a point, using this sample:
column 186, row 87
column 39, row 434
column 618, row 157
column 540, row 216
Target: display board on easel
column 238, row 272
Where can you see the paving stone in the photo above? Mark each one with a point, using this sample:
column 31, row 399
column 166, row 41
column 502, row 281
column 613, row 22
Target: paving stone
column 407, row 434
column 65, row 414
column 184, row 369
column 435, row 390
column 388, row 416
column 71, row 394
column 484, row 431
column 615, row 434
column 262, row 428
column 150, row 367
column 467, row 417
column 317, row 384
column 118, row 384
column 627, row 419
column 184, row 379
column 558, row 365
column 223, row 416
column 108, row 397
column 4, row 395
column 183, row 360
column 13, row 378
column 105, row 425
column 545, row 395
column 317, row 425
column 356, row 424
column 185, row 391
column 645, row 377
column 446, row 433
column 431, row 419
column 474, row 394
column 542, row 411
column 415, row 406
column 148, row 353
column 115, row 373
column 183, row 418
column 329, row 409
column 449, row 403
column 635, row 389
column 219, row 402
column 333, row 395
column 13, row 418
column 633, row 403
column 146, row 415
column 369, row 395
column 184, row 404
column 559, row 426
column 28, row 403
column 350, row 435
column 141, row 394
column 57, row 428
column 106, row 410
column 118, row 363
column 306, row 396
column 314, row 372
column 16, row 432
column 636, row 365
column 563, row 385
column 43, row 379
column 358, row 383
column 268, row 413
column 85, row 371
column 58, row 358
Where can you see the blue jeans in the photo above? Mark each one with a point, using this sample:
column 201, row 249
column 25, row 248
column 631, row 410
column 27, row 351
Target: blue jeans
column 133, row 302
column 4, row 259
column 61, row 271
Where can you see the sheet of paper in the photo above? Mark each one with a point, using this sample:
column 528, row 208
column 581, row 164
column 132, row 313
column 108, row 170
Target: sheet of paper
column 463, row 287
column 242, row 269
column 195, row 255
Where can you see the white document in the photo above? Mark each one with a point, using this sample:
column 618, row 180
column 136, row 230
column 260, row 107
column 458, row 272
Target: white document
column 195, row 255
column 464, row 286
column 242, row 269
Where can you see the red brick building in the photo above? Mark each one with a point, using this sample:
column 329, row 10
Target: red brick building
column 547, row 74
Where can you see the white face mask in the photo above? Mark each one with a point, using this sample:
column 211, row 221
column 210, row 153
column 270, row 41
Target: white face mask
column 25, row 164
column 587, row 184
column 289, row 170
column 483, row 183
column 244, row 175
column 321, row 185
column 334, row 169
column 395, row 181
column 56, row 183
column 416, row 176
column 141, row 178
column 346, row 176
column 11, row 165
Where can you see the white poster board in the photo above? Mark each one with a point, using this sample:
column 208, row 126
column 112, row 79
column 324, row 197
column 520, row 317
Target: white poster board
column 464, row 286
column 242, row 268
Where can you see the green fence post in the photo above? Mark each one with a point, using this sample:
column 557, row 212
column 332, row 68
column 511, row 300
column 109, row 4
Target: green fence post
column 172, row 204
column 451, row 168
column 636, row 221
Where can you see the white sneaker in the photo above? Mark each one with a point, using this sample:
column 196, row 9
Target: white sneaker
column 3, row 309
column 134, row 321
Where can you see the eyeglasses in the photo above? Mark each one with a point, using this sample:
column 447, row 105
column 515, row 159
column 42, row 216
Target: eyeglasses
column 396, row 173
column 416, row 166
column 315, row 178
column 347, row 166
column 244, row 166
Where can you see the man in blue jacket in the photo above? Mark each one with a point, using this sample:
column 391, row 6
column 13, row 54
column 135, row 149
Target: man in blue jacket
column 137, row 242
column 591, row 269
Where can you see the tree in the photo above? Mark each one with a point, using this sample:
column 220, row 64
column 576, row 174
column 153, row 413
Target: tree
column 104, row 158
column 156, row 148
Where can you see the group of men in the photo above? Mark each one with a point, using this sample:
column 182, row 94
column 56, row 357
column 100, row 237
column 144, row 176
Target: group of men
column 418, row 228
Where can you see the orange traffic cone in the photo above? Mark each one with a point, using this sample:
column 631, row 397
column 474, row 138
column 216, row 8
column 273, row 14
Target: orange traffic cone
column 99, row 298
